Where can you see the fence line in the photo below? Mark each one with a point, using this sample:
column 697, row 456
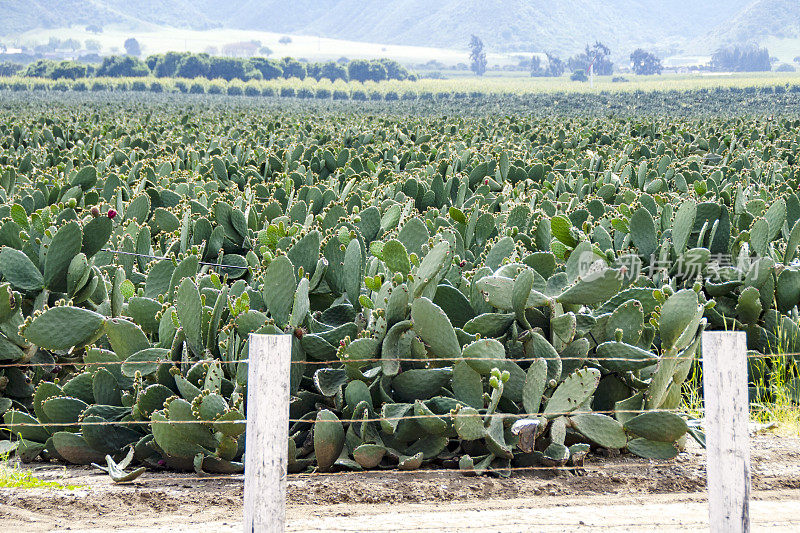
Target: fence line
column 346, row 361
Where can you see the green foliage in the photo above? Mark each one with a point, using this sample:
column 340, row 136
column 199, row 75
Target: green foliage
column 481, row 288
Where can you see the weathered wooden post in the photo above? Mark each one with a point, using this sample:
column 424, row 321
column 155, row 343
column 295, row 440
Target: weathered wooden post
column 727, row 437
column 266, row 454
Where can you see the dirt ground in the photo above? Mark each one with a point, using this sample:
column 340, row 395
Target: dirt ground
column 613, row 494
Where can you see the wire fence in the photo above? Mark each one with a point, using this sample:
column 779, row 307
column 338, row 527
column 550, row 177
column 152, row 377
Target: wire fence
column 588, row 467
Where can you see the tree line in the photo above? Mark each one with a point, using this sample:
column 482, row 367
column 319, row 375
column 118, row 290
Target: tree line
column 191, row 65
column 596, row 58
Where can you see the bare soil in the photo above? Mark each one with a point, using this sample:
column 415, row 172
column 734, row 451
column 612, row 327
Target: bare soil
column 622, row 493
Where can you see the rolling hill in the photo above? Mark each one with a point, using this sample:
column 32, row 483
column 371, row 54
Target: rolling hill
column 562, row 26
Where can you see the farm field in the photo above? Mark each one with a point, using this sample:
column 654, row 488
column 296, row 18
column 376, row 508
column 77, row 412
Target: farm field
column 482, row 290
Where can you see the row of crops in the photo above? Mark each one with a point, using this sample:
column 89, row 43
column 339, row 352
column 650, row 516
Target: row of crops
column 468, row 292
column 388, row 91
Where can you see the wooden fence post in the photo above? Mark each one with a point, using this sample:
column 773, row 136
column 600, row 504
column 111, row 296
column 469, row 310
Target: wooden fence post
column 726, row 424
column 266, row 453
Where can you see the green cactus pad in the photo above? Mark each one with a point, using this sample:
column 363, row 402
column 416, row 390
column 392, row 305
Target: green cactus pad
column 328, row 439
column 435, row 329
column 76, row 327
column 19, row 270
column 600, row 429
column 654, row 450
column 572, row 392
column 662, row 426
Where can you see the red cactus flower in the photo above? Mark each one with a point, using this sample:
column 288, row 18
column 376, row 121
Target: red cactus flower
column 112, row 213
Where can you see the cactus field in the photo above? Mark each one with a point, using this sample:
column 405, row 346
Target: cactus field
column 478, row 293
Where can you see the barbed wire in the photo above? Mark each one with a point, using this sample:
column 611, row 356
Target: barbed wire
column 351, row 420
column 347, row 361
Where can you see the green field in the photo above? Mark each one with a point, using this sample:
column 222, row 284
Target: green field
column 477, row 281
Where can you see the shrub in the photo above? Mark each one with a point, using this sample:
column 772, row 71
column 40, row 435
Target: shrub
column 339, row 94
column 197, row 88
column 215, row 88
column 305, row 92
column 156, row 87
column 235, row 90
column 426, row 95
column 323, row 94
column 268, row 91
column 391, row 96
column 359, row 95
column 375, row 96
column 79, row 86
column 39, row 86
column 138, row 86
column 287, row 92
column 60, row 86
column 409, row 95
column 19, row 86
column 251, row 90
column 579, row 75
column 99, row 86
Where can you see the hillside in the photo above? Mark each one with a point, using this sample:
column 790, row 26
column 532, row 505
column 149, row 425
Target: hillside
column 759, row 20
column 562, row 26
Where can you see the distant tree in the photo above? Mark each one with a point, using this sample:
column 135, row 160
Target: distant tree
column 536, row 67
column 595, row 57
column 555, row 66
column 314, row 70
column 292, row 68
column 785, row 67
column 477, row 56
column 93, row 45
column 122, row 67
column 227, row 68
column 193, row 66
column 377, row 72
column 796, row 59
column 40, row 69
column 167, row 64
column 343, row 60
column 358, row 70
column 285, row 40
column 265, row 51
column 741, row 59
column 9, row 69
column 94, row 28
column 69, row 70
column 132, row 47
column 579, row 75
column 269, row 70
column 394, row 70
column 71, row 44
column 644, row 63
column 333, row 71
column 152, row 60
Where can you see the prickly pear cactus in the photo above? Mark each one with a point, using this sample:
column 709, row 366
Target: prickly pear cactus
column 456, row 292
